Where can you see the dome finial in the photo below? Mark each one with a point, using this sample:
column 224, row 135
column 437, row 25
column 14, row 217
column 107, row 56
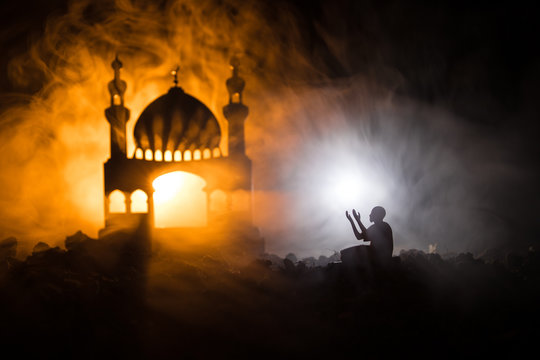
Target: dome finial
column 235, row 63
column 174, row 73
column 116, row 64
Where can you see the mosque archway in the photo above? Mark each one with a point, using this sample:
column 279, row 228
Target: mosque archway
column 117, row 202
column 179, row 200
column 139, row 202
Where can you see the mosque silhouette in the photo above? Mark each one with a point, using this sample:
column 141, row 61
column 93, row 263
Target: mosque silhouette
column 177, row 132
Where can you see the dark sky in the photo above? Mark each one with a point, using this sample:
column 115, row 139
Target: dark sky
column 479, row 58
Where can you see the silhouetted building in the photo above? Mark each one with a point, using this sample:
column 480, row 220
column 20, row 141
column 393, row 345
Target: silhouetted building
column 177, row 132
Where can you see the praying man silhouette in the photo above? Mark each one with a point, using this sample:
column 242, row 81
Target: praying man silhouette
column 379, row 235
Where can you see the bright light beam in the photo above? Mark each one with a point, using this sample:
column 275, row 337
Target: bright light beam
column 336, row 174
column 179, row 200
column 344, row 187
column 167, row 187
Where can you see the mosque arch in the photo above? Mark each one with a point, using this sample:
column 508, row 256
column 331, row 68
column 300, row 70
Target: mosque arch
column 139, row 201
column 148, row 155
column 117, row 202
column 207, row 154
column 167, row 156
column 158, row 155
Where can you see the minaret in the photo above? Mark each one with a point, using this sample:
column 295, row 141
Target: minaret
column 117, row 115
column 236, row 112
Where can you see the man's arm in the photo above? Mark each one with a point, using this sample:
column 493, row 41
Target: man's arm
column 358, row 235
column 362, row 227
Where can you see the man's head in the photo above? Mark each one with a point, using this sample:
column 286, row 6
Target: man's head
column 377, row 214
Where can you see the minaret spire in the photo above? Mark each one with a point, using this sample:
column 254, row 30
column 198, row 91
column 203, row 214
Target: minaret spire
column 235, row 84
column 236, row 112
column 117, row 115
column 117, row 86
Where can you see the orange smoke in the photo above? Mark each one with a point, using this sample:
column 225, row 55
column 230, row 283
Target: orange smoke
column 54, row 144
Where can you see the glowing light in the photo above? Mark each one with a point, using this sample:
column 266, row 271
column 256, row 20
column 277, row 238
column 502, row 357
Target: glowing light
column 207, row 154
column 342, row 175
column 167, row 186
column 117, row 100
column 139, row 202
column 158, row 155
column 197, row 155
column 187, row 155
column 218, row 201
column 179, row 200
column 177, row 155
column 216, row 153
column 139, row 153
column 148, row 155
column 347, row 188
column 168, row 155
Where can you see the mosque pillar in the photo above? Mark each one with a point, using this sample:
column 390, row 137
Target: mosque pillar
column 106, row 204
column 127, row 200
column 151, row 213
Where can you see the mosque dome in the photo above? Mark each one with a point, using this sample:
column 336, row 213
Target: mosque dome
column 177, row 121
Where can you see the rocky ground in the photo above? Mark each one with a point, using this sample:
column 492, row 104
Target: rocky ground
column 104, row 298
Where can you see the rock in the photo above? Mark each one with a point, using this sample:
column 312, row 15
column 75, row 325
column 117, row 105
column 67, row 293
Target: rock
column 355, row 256
column 291, row 257
column 76, row 240
column 40, row 247
column 8, row 248
column 289, row 266
column 322, row 261
column 310, row 261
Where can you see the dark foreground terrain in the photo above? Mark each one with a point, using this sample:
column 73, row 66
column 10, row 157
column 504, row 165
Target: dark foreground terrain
column 100, row 299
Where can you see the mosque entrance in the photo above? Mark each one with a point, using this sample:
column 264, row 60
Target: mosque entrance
column 179, row 201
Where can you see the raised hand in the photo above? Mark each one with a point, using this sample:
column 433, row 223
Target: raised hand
column 348, row 216
column 356, row 215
